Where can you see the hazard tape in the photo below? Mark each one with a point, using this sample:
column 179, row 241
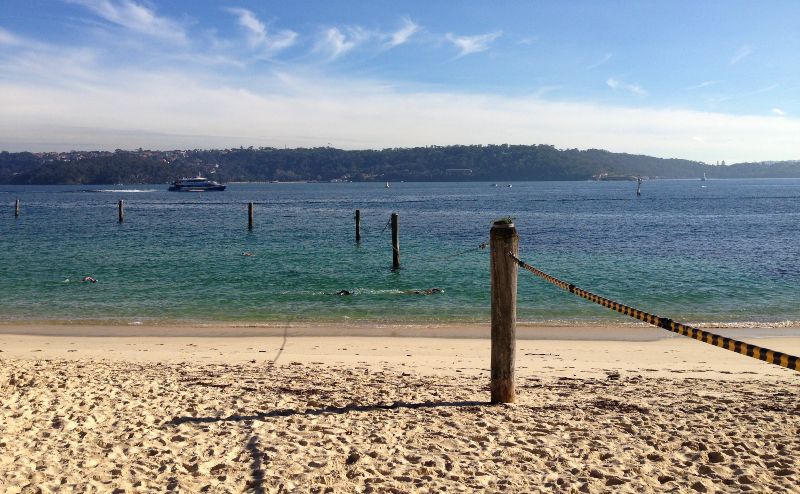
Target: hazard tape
column 754, row 351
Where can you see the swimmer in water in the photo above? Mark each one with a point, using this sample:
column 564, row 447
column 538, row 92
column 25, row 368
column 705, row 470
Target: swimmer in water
column 247, row 254
column 90, row 279
column 344, row 292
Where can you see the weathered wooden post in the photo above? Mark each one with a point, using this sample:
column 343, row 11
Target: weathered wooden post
column 395, row 241
column 249, row 215
column 121, row 210
column 358, row 225
column 16, row 208
column 503, row 239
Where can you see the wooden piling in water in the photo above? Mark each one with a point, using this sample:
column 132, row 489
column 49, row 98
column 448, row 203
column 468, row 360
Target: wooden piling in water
column 16, row 208
column 503, row 239
column 121, row 210
column 395, row 241
column 250, row 215
column 358, row 225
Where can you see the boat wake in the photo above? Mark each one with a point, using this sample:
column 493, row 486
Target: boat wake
column 127, row 191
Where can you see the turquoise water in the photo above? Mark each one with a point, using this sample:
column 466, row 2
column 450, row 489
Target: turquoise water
column 716, row 251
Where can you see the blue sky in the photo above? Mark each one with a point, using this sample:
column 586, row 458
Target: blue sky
column 705, row 80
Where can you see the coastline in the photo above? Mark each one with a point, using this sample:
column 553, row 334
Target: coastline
column 432, row 349
column 631, row 331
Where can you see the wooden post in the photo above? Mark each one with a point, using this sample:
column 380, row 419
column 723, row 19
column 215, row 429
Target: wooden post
column 250, row 216
column 121, row 210
column 395, row 241
column 503, row 239
column 16, row 208
column 358, row 225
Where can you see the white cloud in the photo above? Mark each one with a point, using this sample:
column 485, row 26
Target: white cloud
column 606, row 58
column 778, row 111
column 9, row 39
column 742, row 53
column 334, row 43
column 403, row 34
column 542, row 91
column 617, row 85
column 472, row 44
column 135, row 17
column 258, row 37
column 257, row 31
column 168, row 109
column 702, row 85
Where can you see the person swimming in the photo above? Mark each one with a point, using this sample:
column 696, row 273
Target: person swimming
column 344, row 292
column 89, row 279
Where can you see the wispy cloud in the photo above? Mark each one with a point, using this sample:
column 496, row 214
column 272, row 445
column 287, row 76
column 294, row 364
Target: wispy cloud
column 606, row 58
column 618, row 85
column 258, row 36
column 540, row 92
column 9, row 39
column 742, row 53
column 778, row 111
column 403, row 34
column 334, row 42
column 29, row 59
column 167, row 110
column 702, row 85
column 743, row 95
column 472, row 44
column 135, row 17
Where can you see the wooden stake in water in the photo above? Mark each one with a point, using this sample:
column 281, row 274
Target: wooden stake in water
column 16, row 208
column 358, row 225
column 395, row 241
column 121, row 210
column 249, row 215
column 502, row 240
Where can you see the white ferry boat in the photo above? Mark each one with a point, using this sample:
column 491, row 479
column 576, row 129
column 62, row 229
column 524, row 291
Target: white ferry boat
column 195, row 184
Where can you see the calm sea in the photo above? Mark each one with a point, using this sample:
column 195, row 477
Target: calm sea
column 720, row 251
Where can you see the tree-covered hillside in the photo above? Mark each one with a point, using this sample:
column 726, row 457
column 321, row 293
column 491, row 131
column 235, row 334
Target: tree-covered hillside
column 434, row 163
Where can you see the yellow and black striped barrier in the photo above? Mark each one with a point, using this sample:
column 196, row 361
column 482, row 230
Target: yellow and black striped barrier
column 754, row 351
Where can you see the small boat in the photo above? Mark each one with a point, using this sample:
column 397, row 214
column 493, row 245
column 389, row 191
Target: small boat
column 509, row 185
column 195, row 184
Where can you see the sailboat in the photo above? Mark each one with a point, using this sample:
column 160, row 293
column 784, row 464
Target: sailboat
column 704, row 177
column 386, row 186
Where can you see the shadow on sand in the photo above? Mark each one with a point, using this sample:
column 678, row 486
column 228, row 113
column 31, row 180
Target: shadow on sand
column 330, row 410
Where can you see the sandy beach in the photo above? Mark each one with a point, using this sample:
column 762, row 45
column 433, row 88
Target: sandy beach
column 325, row 408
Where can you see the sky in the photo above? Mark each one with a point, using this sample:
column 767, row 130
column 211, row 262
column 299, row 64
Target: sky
column 704, row 80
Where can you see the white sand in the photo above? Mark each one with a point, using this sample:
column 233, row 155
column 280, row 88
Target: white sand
column 271, row 410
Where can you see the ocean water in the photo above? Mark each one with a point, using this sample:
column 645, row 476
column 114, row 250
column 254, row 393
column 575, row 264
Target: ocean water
column 715, row 252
